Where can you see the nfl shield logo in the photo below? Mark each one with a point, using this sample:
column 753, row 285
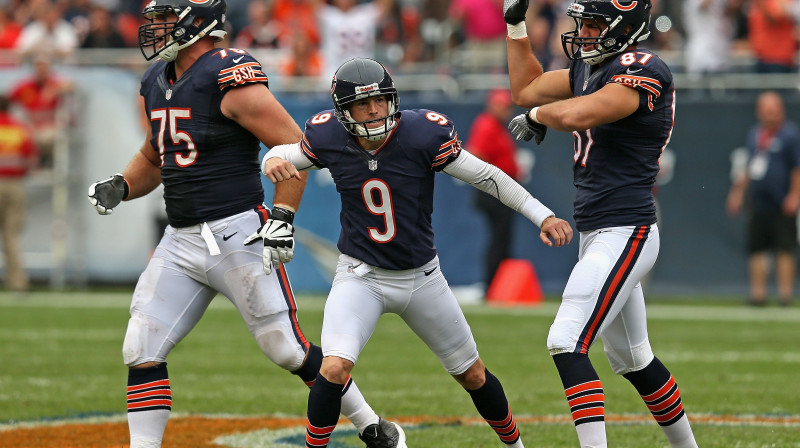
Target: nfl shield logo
column 373, row 165
column 168, row 94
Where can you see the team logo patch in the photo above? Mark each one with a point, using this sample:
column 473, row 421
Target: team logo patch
column 624, row 8
column 168, row 94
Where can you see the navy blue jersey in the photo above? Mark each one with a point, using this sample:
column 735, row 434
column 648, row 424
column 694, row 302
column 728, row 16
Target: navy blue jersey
column 209, row 164
column 616, row 163
column 773, row 156
column 387, row 197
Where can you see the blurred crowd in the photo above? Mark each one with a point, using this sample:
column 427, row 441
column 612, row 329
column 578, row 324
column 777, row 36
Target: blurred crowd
column 315, row 36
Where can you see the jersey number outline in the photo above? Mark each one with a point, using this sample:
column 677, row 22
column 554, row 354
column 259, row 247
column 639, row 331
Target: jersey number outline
column 383, row 207
column 171, row 115
column 629, row 58
column 583, row 144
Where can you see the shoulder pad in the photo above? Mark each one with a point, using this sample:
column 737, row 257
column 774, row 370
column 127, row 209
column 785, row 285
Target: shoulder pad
column 641, row 70
column 322, row 131
column 433, row 132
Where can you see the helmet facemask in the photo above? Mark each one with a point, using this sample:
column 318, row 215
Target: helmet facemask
column 360, row 128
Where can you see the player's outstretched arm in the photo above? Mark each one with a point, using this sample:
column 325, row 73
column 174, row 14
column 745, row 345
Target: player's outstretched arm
column 490, row 179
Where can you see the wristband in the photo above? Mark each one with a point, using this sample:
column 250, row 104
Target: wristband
column 535, row 211
column 126, row 189
column 532, row 115
column 282, row 214
column 518, row 31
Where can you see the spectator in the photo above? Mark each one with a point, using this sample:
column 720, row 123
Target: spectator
column 400, row 32
column 17, row 157
column 40, row 96
column 709, row 33
column 292, row 15
column 490, row 141
column 484, row 31
column 772, row 185
column 773, row 35
column 9, row 30
column 76, row 13
column 348, row 30
column 49, row 33
column 304, row 59
column 261, row 31
column 102, row 33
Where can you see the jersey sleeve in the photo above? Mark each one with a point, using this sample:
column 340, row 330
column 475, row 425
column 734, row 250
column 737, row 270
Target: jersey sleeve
column 317, row 135
column 444, row 141
column 227, row 68
column 239, row 68
column 643, row 71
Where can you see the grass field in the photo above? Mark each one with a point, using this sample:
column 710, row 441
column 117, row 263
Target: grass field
column 737, row 368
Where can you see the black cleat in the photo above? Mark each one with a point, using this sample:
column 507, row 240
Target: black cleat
column 384, row 434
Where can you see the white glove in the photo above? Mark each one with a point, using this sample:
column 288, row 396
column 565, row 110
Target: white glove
column 107, row 194
column 278, row 236
column 524, row 128
column 514, row 11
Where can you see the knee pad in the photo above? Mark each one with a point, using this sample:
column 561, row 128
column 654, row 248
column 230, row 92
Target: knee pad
column 135, row 341
column 629, row 359
column 565, row 330
column 279, row 344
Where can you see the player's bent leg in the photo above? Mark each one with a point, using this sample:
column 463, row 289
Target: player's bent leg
column 325, row 400
column 490, row 400
column 660, row 393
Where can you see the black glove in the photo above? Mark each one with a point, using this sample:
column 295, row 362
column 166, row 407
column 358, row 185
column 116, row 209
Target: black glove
column 523, row 128
column 514, row 11
column 107, row 194
column 278, row 236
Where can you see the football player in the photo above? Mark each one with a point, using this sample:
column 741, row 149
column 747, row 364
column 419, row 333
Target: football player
column 384, row 162
column 618, row 100
column 209, row 109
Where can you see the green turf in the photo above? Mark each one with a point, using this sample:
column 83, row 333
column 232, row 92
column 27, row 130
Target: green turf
column 60, row 357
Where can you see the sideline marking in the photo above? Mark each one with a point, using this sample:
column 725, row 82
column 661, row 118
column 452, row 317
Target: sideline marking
column 207, row 431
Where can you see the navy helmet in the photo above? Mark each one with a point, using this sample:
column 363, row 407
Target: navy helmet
column 627, row 22
column 164, row 39
column 361, row 78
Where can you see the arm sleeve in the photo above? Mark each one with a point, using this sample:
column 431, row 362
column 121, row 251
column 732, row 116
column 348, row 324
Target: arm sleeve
column 290, row 152
column 489, row 179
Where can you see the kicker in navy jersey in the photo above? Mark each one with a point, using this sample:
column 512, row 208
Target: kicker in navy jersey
column 400, row 173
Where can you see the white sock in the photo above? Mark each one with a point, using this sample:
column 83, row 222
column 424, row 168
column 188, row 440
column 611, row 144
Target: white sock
column 680, row 434
column 356, row 408
column 592, row 434
column 147, row 428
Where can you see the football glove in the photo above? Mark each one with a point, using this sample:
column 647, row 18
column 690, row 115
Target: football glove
column 107, row 194
column 523, row 128
column 514, row 11
column 278, row 236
